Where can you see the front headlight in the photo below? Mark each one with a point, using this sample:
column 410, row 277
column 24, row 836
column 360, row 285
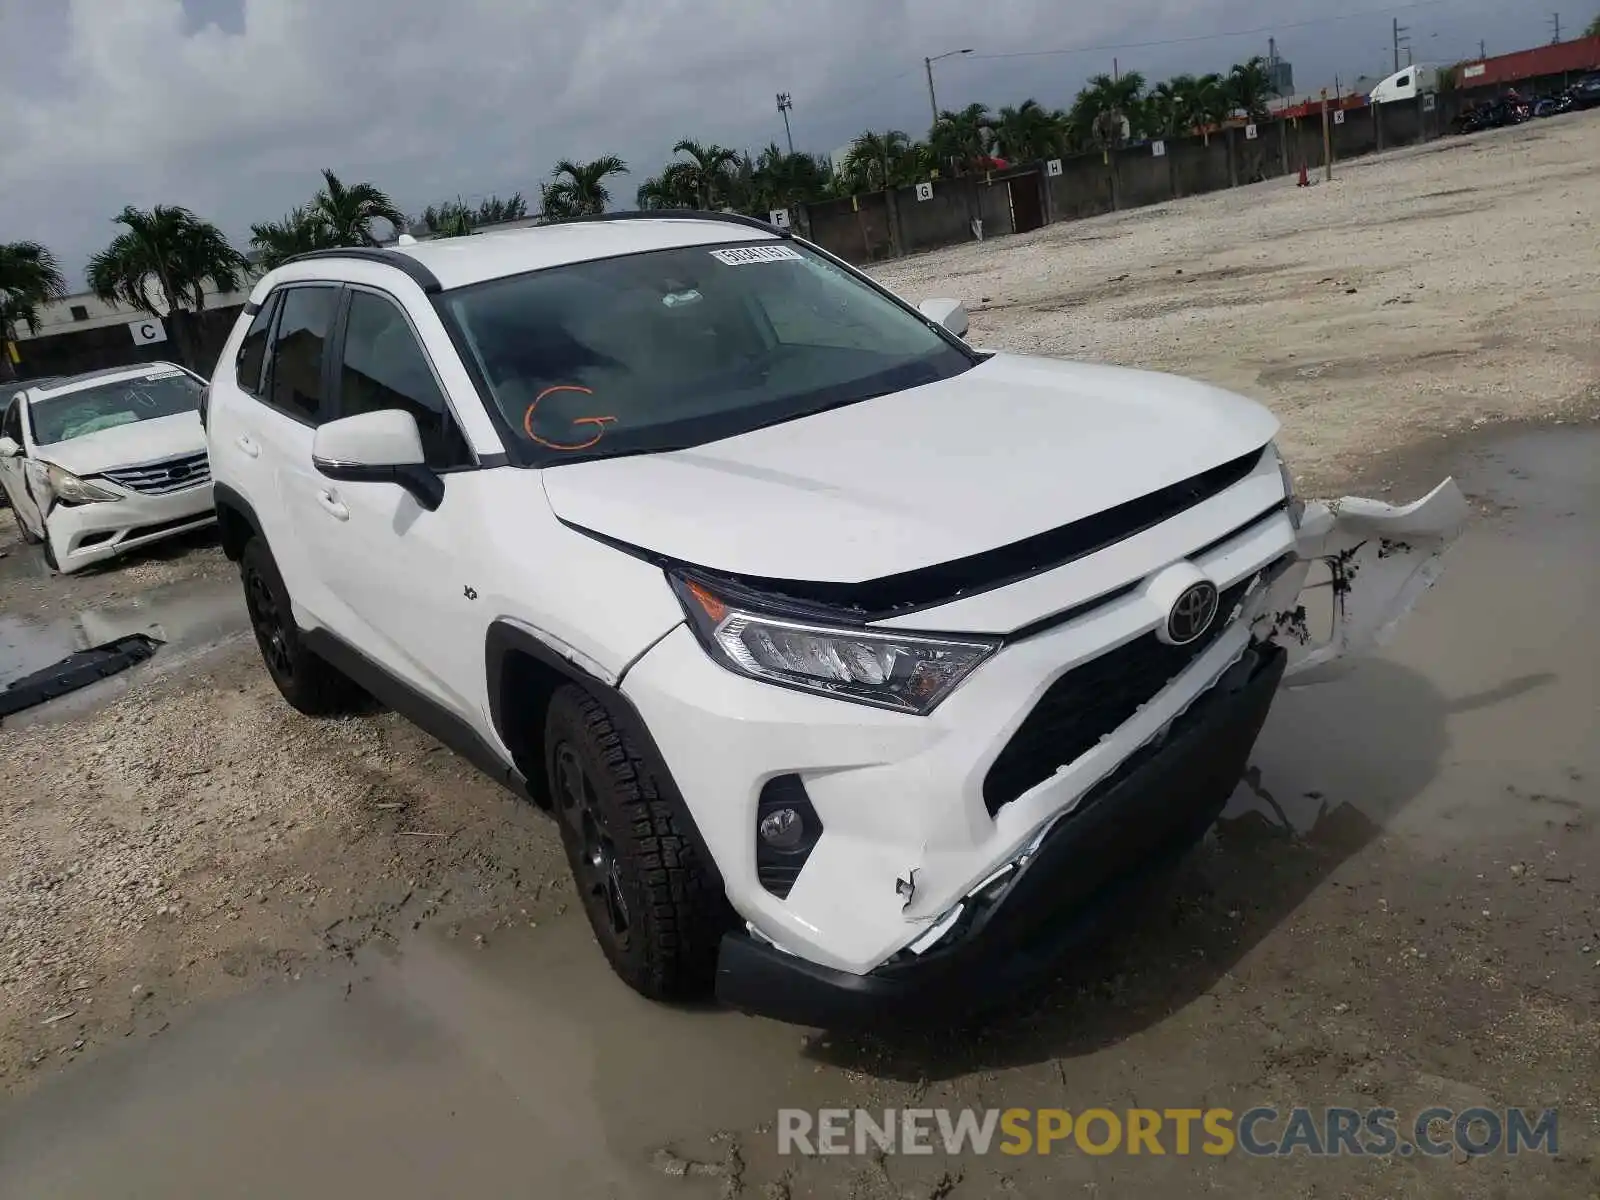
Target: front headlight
column 1297, row 506
column 909, row 673
column 69, row 488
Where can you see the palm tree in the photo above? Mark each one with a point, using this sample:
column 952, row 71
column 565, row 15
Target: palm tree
column 784, row 180
column 349, row 211
column 170, row 247
column 1107, row 106
column 963, row 138
column 29, row 278
column 1204, row 102
column 301, row 231
column 712, row 166
column 1027, row 132
column 494, row 211
column 875, row 160
column 578, row 189
column 675, row 187
column 1248, row 86
column 1166, row 108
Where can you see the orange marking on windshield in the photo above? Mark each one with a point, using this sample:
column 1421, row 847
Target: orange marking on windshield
column 600, row 423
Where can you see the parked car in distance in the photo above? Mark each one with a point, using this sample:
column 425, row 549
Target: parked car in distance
column 97, row 464
column 1586, row 92
column 857, row 664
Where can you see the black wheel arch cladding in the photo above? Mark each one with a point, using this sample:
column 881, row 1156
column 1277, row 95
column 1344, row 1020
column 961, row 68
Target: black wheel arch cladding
column 236, row 520
column 522, row 674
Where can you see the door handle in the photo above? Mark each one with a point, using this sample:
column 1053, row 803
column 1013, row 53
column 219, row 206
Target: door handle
column 332, row 503
column 246, row 443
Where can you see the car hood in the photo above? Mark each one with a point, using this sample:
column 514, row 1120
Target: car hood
column 1012, row 448
column 128, row 445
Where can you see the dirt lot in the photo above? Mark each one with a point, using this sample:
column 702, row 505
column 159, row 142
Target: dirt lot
column 1402, row 906
column 1420, row 292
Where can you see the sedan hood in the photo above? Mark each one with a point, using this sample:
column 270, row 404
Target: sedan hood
column 129, row 445
column 1012, row 448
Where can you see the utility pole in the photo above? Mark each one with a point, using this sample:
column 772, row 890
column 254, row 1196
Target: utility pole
column 1483, row 48
column 1555, row 21
column 1398, row 30
column 927, row 63
column 784, row 105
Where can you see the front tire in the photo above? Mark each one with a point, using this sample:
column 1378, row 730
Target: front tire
column 29, row 538
column 307, row 682
column 654, row 905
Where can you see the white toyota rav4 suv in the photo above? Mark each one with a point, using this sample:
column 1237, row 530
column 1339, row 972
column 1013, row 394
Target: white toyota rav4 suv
column 861, row 667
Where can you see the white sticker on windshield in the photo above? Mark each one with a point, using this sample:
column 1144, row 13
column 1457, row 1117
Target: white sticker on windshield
column 737, row 256
column 168, row 374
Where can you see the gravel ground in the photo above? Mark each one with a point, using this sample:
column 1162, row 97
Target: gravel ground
column 195, row 838
column 1419, row 293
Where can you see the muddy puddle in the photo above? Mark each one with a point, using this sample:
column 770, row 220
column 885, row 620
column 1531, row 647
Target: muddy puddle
column 519, row 1066
column 187, row 618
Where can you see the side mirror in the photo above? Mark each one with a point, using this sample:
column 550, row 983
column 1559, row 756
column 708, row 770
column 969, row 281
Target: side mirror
column 952, row 314
column 378, row 447
column 9, row 447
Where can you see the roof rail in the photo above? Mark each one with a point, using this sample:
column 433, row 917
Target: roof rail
column 678, row 214
column 419, row 274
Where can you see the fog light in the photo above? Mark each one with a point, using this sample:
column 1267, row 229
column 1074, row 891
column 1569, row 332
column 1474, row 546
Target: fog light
column 787, row 830
column 783, row 829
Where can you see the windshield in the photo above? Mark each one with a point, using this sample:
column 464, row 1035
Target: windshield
column 162, row 393
column 680, row 347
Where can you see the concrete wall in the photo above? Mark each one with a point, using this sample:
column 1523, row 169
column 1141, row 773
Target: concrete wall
column 1142, row 178
column 945, row 220
column 994, row 207
column 855, row 228
column 1197, row 167
column 1083, row 189
column 1091, row 184
column 67, row 352
column 1359, row 134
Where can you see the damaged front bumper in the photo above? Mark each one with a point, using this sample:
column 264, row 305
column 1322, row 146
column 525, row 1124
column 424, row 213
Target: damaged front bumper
column 1363, row 562
column 1369, row 564
column 1137, row 821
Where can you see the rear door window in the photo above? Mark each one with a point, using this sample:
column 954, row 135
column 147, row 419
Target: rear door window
column 11, row 425
column 250, row 366
column 299, row 342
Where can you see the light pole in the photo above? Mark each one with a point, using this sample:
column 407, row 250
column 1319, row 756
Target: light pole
column 784, row 105
column 928, row 63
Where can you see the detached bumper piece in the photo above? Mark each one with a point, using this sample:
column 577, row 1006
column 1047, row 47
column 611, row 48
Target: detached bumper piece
column 1135, row 823
column 76, row 671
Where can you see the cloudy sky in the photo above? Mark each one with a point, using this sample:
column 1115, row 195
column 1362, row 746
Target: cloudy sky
column 230, row 107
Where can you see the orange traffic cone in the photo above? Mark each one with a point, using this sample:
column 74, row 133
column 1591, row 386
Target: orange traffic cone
column 1305, row 180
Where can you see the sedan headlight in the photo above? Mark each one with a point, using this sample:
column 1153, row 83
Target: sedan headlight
column 909, row 673
column 68, row 487
column 1297, row 506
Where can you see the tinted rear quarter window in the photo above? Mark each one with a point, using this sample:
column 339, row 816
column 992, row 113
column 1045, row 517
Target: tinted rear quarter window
column 251, row 363
column 304, row 322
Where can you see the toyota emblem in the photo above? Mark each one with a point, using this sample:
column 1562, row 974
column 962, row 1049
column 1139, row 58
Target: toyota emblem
column 1192, row 613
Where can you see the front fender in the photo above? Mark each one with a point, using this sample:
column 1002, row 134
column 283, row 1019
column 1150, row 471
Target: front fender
column 1379, row 559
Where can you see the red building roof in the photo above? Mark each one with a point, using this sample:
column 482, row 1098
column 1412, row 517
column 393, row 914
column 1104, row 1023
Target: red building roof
column 1560, row 59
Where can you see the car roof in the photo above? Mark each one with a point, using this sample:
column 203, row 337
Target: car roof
column 39, row 389
column 497, row 253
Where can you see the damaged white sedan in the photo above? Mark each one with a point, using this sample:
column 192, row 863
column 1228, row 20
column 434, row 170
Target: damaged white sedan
column 97, row 464
column 861, row 667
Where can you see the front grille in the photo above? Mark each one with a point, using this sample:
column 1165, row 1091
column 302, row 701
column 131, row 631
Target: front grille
column 1094, row 700
column 160, row 478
